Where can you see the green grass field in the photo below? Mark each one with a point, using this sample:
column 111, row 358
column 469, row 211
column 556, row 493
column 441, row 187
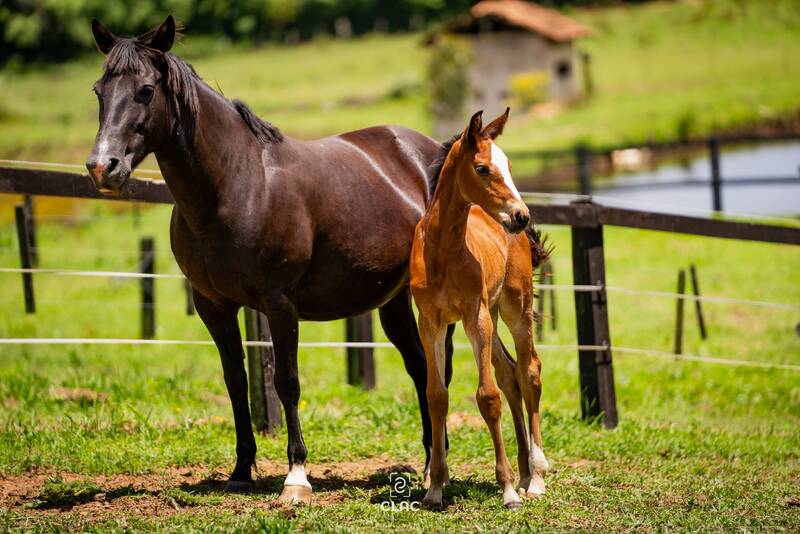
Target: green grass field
column 699, row 447
column 131, row 438
column 660, row 70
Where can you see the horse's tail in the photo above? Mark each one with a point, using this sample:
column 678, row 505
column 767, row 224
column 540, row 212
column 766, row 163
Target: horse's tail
column 541, row 248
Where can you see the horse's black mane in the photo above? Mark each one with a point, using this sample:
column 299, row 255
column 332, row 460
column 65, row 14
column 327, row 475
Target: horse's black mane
column 435, row 168
column 130, row 55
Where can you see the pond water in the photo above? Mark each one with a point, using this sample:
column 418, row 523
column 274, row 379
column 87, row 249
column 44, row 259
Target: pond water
column 771, row 160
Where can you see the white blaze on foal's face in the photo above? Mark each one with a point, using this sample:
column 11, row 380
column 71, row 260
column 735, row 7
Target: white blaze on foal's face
column 500, row 161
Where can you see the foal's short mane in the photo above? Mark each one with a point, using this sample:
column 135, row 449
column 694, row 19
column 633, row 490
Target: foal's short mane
column 130, row 55
column 435, row 168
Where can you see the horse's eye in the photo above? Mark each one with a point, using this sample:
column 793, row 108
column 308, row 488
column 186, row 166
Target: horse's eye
column 483, row 170
column 144, row 95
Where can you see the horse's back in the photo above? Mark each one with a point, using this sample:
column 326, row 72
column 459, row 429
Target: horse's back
column 365, row 193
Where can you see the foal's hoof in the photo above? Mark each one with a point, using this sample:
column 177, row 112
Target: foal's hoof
column 239, row 486
column 292, row 494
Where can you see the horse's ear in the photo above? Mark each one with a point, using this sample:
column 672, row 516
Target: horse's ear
column 495, row 128
column 164, row 36
column 470, row 136
column 105, row 39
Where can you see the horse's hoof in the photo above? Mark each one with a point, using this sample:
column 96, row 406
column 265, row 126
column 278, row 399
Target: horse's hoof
column 432, row 499
column 536, row 487
column 239, row 486
column 514, row 505
column 292, row 494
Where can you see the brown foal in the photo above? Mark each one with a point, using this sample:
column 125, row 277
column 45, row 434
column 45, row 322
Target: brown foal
column 471, row 260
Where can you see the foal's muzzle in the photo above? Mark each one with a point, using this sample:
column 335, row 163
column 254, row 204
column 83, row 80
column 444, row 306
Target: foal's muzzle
column 517, row 221
column 110, row 175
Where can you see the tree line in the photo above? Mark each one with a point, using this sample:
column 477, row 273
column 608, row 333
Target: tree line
column 56, row 30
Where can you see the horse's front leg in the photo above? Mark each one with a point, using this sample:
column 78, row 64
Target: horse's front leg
column 282, row 316
column 224, row 329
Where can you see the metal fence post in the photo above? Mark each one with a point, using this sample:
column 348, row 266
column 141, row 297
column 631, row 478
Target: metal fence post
column 598, row 398
column 147, row 265
column 360, row 360
column 716, row 177
column 679, row 312
column 264, row 402
column 698, row 306
column 25, row 260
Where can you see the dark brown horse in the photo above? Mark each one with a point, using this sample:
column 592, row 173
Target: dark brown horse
column 315, row 230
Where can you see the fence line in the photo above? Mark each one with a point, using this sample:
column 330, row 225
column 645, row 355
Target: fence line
column 386, row 345
column 706, row 359
column 52, row 165
column 567, row 287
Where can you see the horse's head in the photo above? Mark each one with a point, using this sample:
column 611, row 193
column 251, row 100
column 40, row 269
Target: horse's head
column 484, row 174
column 134, row 104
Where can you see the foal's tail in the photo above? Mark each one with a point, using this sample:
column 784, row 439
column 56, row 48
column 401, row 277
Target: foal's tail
column 541, row 248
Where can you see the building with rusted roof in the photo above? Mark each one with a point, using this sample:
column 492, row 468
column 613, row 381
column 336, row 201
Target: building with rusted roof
column 517, row 46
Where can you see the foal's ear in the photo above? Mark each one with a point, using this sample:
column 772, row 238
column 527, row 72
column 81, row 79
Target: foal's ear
column 470, row 136
column 495, row 128
column 163, row 37
column 102, row 37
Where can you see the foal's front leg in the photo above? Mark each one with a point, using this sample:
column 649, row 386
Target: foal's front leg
column 282, row 316
column 433, row 340
column 480, row 331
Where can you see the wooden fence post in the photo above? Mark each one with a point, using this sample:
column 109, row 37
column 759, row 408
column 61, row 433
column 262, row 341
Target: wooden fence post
column 31, row 222
column 583, row 157
column 716, row 177
column 25, row 261
column 679, row 312
column 598, row 397
column 551, row 279
column 541, row 296
column 360, row 360
column 698, row 306
column 147, row 265
column 187, row 287
column 265, row 405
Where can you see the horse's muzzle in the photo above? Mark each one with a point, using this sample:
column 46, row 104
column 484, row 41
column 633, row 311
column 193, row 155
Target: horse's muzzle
column 109, row 176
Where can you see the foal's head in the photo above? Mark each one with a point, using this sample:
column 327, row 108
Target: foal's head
column 483, row 174
column 138, row 96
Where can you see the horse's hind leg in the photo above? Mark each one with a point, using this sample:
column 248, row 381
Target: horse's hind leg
column 507, row 380
column 397, row 320
column 224, row 328
column 480, row 331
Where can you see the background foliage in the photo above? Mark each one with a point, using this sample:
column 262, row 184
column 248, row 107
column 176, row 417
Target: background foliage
column 54, row 30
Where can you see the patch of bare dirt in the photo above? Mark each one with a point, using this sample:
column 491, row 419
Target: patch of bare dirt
column 164, row 493
column 77, row 395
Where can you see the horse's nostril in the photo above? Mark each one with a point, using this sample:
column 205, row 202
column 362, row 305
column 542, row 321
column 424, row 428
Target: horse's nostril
column 112, row 164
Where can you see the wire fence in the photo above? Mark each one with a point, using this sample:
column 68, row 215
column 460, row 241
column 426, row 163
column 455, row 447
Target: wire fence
column 560, row 287
column 386, row 345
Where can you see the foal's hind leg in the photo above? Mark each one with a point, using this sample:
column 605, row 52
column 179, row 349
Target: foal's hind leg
column 480, row 331
column 433, row 339
column 516, row 310
column 224, row 328
column 507, row 380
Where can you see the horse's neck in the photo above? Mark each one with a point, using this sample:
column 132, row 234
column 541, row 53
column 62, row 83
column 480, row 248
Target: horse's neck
column 196, row 170
column 447, row 217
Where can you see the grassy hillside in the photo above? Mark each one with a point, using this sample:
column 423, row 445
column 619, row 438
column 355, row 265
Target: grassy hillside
column 700, row 446
column 660, row 69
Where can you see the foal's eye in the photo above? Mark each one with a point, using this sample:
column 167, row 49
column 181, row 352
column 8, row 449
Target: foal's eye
column 144, row 95
column 483, row 170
